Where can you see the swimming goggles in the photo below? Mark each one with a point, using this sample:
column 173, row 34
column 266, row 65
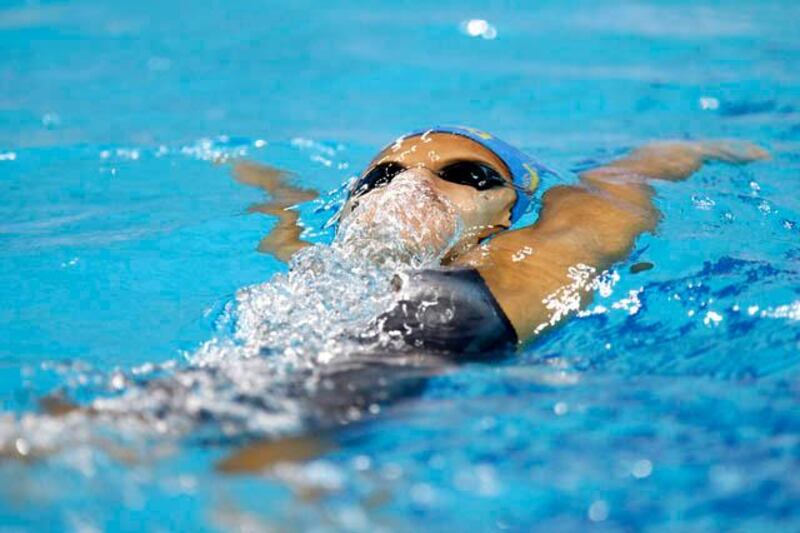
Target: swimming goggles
column 525, row 171
column 473, row 174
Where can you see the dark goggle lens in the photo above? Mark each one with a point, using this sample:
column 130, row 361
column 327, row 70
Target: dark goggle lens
column 472, row 174
column 379, row 176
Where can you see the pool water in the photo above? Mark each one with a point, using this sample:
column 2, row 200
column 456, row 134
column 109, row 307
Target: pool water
column 671, row 403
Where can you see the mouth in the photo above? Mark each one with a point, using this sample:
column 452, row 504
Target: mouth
column 407, row 224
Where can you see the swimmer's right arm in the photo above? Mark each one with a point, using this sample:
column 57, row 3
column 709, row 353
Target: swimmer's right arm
column 283, row 240
column 532, row 271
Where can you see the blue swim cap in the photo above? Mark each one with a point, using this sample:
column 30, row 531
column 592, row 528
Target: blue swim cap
column 525, row 171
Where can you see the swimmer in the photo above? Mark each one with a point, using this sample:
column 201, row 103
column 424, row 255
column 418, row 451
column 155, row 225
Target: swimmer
column 455, row 193
column 440, row 207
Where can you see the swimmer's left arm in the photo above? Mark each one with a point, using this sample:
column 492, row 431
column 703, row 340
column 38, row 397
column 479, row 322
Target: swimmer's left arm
column 283, row 240
column 535, row 272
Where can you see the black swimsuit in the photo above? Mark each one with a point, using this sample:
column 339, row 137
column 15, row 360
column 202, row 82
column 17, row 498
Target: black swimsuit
column 441, row 317
column 448, row 310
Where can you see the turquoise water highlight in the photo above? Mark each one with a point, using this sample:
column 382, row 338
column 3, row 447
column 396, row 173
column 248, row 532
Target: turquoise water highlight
column 121, row 242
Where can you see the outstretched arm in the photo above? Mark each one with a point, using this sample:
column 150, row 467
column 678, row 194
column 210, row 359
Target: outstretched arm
column 283, row 240
column 538, row 273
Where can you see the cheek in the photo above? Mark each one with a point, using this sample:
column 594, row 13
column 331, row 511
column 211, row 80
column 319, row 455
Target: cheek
column 487, row 210
column 477, row 212
column 479, row 209
column 501, row 203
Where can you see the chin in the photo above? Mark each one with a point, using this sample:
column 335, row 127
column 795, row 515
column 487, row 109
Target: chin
column 392, row 252
column 399, row 238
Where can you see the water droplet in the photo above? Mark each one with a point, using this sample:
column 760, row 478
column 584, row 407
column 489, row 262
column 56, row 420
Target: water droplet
column 71, row 263
column 118, row 381
column 598, row 511
column 22, row 447
column 479, row 28
column 51, row 120
column 708, row 103
column 362, row 463
column 712, row 318
column 704, row 203
column 642, row 468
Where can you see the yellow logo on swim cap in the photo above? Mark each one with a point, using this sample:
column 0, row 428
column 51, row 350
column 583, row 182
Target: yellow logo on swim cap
column 478, row 133
column 533, row 175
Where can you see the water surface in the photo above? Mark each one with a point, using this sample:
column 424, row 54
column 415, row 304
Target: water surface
column 670, row 405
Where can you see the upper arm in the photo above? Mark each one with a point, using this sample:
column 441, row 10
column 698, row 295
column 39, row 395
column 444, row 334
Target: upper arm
column 598, row 223
column 581, row 231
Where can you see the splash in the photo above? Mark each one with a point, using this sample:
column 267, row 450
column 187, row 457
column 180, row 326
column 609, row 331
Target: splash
column 330, row 293
column 406, row 224
column 572, row 297
column 284, row 333
column 275, row 339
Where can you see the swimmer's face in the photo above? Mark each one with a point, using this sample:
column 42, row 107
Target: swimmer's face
column 454, row 170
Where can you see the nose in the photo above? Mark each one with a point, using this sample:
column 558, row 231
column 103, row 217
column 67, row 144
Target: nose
column 417, row 174
column 423, row 178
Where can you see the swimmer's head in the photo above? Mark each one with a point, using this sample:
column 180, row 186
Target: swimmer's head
column 439, row 192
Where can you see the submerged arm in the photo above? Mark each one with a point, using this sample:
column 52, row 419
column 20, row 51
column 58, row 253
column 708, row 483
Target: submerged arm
column 283, row 240
column 539, row 273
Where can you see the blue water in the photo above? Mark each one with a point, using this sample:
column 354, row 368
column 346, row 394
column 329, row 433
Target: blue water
column 674, row 406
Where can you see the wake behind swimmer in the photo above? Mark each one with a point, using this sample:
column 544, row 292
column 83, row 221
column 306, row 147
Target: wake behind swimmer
column 296, row 361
